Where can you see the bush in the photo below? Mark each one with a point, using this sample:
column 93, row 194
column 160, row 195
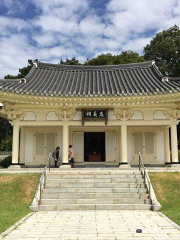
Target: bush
column 6, row 144
column 6, row 162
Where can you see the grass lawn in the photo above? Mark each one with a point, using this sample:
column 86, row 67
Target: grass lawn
column 167, row 189
column 16, row 194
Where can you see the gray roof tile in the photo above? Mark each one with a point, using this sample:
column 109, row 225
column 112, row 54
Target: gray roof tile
column 115, row 80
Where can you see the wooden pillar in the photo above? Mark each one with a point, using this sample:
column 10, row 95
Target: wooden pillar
column 22, row 146
column 15, row 146
column 124, row 159
column 174, row 144
column 166, row 146
column 65, row 159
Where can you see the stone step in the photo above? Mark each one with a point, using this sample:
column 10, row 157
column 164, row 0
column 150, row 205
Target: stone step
column 93, row 170
column 103, row 180
column 95, row 207
column 95, row 190
column 95, row 201
column 50, row 195
column 93, row 185
column 93, row 176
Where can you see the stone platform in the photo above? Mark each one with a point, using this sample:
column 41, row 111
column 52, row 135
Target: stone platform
column 96, row 225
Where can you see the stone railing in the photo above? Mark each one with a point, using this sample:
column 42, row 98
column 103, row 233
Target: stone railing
column 42, row 182
column 5, row 153
column 155, row 205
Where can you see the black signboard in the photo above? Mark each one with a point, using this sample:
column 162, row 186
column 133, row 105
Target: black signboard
column 95, row 115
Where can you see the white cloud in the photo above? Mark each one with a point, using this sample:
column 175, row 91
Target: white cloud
column 72, row 28
column 91, row 26
column 140, row 15
column 14, row 5
column 136, row 44
column 45, row 40
column 14, row 51
column 65, row 8
column 10, row 24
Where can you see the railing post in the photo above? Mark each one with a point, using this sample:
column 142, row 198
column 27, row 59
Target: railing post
column 139, row 162
column 45, row 178
column 40, row 193
column 149, row 189
column 49, row 162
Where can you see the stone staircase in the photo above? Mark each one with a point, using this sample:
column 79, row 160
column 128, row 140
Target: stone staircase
column 92, row 189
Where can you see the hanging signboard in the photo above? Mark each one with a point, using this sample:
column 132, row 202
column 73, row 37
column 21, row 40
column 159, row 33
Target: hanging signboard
column 94, row 115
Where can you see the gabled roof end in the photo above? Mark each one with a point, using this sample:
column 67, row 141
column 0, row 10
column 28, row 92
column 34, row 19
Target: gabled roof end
column 35, row 63
column 165, row 79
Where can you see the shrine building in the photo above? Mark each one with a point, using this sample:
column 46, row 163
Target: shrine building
column 108, row 113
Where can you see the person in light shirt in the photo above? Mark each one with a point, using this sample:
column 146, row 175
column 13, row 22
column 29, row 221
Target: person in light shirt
column 71, row 156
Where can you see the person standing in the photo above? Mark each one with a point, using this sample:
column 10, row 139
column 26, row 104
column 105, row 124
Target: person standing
column 56, row 156
column 71, row 156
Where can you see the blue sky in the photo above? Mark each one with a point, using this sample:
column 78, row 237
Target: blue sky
column 53, row 29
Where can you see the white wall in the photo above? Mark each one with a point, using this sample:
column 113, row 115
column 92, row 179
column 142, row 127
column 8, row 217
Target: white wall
column 78, row 116
column 78, row 146
column 30, row 116
column 160, row 147
column 29, row 142
column 111, row 146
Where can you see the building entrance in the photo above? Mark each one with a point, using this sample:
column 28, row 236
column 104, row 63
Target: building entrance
column 94, row 147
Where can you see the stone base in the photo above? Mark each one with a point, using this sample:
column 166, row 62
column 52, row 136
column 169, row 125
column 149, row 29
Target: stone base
column 167, row 164
column 124, row 166
column 14, row 166
column 34, row 208
column 65, row 166
column 156, row 207
column 174, row 165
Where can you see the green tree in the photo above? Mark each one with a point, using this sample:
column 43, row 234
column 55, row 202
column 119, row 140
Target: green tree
column 5, row 135
column 164, row 48
column 5, row 128
column 6, row 144
column 72, row 61
column 103, row 59
column 110, row 59
column 22, row 71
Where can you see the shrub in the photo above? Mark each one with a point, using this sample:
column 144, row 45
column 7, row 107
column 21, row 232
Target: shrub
column 6, row 144
column 6, row 162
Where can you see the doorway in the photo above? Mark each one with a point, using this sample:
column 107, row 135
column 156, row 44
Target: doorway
column 144, row 143
column 45, row 143
column 94, row 147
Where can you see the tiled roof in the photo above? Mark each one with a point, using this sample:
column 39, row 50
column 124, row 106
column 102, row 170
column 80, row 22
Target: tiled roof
column 114, row 80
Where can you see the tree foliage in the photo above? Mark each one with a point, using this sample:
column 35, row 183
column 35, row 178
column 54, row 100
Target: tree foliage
column 110, row 59
column 5, row 135
column 164, row 48
column 5, row 128
column 6, row 144
column 72, row 61
column 22, row 71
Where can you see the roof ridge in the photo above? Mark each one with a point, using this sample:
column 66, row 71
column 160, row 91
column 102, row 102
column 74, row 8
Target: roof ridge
column 174, row 78
column 101, row 67
column 10, row 80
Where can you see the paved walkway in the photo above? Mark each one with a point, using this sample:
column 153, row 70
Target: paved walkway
column 89, row 225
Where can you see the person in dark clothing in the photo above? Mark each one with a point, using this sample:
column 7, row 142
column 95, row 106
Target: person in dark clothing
column 71, row 156
column 56, row 156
